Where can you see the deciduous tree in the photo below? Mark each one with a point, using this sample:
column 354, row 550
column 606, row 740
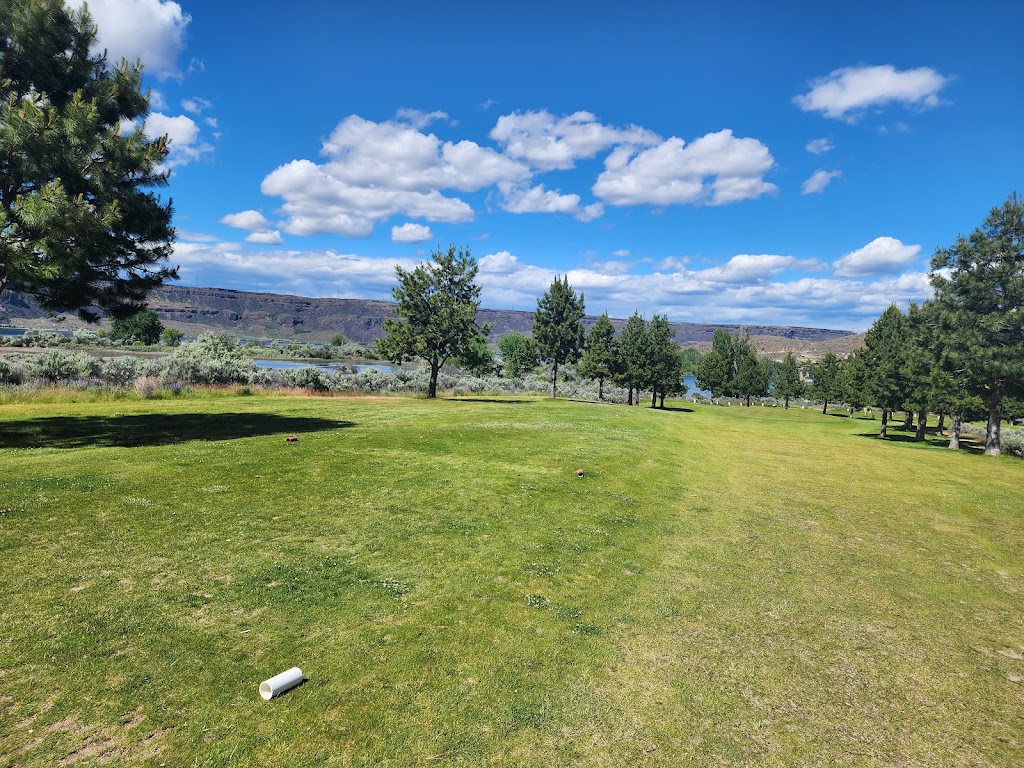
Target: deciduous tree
column 144, row 327
column 519, row 354
column 437, row 305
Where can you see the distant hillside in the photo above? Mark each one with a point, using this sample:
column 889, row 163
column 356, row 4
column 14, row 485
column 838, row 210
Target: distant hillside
column 278, row 316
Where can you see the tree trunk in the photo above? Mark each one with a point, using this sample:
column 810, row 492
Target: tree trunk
column 787, row 402
column 824, row 408
column 661, row 398
column 600, row 389
column 885, row 423
column 748, row 401
column 954, row 430
column 908, row 420
column 993, row 435
column 654, row 398
column 922, row 425
column 554, row 378
column 942, row 423
column 435, row 365
column 629, row 400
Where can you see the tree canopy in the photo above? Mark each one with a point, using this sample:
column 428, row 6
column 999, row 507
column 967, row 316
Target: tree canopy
column 144, row 327
column 437, row 306
column 80, row 228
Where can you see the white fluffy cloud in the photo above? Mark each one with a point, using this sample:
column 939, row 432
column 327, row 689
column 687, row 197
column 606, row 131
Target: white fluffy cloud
column 747, row 268
column 378, row 170
column 186, row 145
column 819, row 146
column 818, row 181
column 151, row 30
column 883, row 255
column 848, row 92
column 715, row 169
column 250, row 220
column 268, row 237
column 410, row 233
column 550, row 143
column 537, row 199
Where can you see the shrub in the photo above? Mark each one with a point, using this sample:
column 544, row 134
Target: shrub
column 11, row 372
column 310, row 378
column 213, row 358
column 56, row 366
column 120, row 371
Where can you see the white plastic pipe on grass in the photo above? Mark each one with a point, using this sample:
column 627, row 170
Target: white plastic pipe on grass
column 278, row 684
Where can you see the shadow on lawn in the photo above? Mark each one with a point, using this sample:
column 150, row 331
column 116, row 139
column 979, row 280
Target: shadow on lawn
column 931, row 440
column 133, row 430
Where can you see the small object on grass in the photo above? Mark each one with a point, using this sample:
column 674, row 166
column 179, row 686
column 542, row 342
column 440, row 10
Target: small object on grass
column 278, row 684
column 291, row 439
column 579, row 473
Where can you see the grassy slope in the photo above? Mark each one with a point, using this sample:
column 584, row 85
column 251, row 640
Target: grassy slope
column 725, row 586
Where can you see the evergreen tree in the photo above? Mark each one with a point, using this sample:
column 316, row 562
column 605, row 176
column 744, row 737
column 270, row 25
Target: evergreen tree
column 519, row 354
column 827, row 381
column 601, row 359
column 716, row 370
column 787, row 381
column 633, row 345
column 664, row 365
column 80, row 228
column 437, row 304
column 753, row 375
column 885, row 355
column 979, row 283
column 854, row 375
column 558, row 327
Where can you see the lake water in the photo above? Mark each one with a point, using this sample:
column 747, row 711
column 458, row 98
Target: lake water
column 692, row 388
column 288, row 365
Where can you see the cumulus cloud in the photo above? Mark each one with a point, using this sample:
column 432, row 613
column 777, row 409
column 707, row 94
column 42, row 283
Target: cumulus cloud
column 196, row 105
column 251, row 220
column 883, row 255
column 715, row 169
column 747, row 268
column 269, row 237
column 537, row 199
column 150, row 30
column 622, row 253
column 377, row 170
column 550, row 143
column 818, row 181
column 410, row 233
column 846, row 93
column 186, row 145
column 819, row 146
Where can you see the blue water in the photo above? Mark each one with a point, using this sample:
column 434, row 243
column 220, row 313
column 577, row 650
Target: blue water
column 287, row 365
column 692, row 388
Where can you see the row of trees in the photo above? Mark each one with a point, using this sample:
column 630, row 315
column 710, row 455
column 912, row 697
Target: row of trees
column 960, row 353
column 437, row 306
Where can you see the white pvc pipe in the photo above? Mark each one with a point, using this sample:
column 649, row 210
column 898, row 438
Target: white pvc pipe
column 278, row 684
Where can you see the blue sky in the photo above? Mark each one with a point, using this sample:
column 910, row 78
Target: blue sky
column 783, row 163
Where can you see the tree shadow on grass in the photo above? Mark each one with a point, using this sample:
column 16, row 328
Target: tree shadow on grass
column 134, row 430
column 931, row 440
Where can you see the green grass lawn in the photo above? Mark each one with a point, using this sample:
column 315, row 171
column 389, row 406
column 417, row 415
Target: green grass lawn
column 725, row 586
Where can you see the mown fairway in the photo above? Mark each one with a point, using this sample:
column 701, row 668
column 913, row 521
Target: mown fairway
column 726, row 586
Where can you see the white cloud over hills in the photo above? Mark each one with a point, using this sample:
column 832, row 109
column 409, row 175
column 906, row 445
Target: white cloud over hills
column 751, row 288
